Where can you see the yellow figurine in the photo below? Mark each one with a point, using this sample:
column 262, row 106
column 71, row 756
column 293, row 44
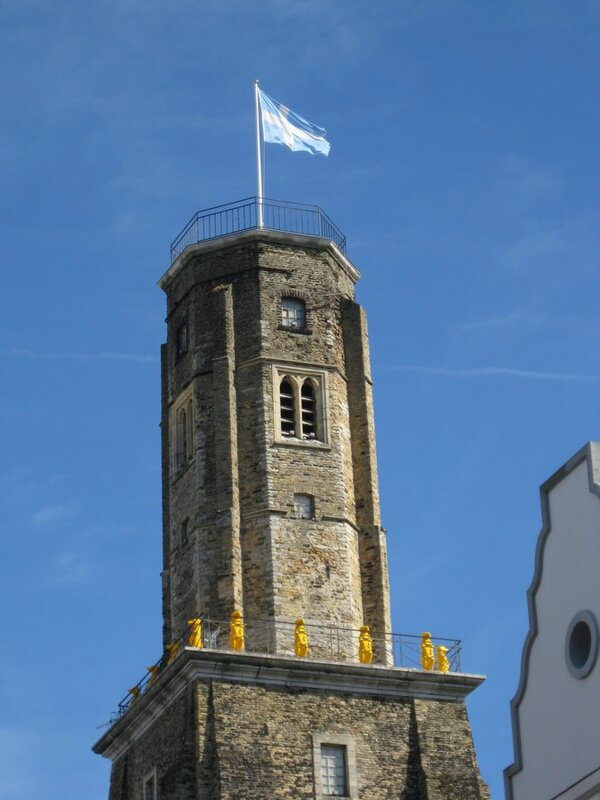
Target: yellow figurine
column 135, row 693
column 301, row 639
column 153, row 670
column 236, row 631
column 427, row 659
column 173, row 649
column 443, row 665
column 195, row 637
column 365, row 645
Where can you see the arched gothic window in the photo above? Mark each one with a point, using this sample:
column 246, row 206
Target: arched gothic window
column 308, row 410
column 287, row 408
column 300, row 405
column 183, row 433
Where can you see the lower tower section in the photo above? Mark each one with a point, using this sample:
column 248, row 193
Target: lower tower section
column 254, row 727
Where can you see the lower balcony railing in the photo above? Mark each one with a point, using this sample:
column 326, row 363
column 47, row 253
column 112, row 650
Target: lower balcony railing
column 319, row 642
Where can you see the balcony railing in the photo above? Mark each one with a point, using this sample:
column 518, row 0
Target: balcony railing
column 325, row 643
column 244, row 215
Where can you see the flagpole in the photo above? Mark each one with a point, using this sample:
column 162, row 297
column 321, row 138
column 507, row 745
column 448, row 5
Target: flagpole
column 259, row 191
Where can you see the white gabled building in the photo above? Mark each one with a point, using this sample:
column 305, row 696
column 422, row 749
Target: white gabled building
column 556, row 709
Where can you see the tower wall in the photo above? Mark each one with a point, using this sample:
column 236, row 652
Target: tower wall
column 240, row 730
column 245, row 549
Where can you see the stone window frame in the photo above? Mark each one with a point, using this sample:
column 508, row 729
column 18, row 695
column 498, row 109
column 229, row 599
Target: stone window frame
column 182, row 432
column 296, row 377
column 341, row 740
column 150, row 776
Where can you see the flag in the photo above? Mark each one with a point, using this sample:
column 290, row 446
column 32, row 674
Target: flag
column 280, row 125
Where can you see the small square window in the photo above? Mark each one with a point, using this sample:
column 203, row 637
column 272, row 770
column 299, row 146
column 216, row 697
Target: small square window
column 293, row 313
column 334, row 781
column 304, row 506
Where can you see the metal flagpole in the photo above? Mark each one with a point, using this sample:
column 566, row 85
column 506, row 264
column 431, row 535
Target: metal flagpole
column 259, row 191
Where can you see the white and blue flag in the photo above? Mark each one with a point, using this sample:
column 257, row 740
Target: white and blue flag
column 280, row 125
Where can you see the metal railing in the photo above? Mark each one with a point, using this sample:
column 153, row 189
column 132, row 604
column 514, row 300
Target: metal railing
column 243, row 215
column 327, row 642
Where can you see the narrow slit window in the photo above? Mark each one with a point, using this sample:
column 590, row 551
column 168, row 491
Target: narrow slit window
column 333, row 770
column 181, row 338
column 293, row 313
column 150, row 788
column 182, row 438
column 308, row 411
column 189, row 430
column 286, row 406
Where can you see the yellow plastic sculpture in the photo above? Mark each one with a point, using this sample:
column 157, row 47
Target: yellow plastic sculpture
column 443, row 665
column 173, row 649
column 236, row 631
column 301, row 639
column 195, row 637
column 135, row 693
column 427, row 659
column 153, row 670
column 365, row 645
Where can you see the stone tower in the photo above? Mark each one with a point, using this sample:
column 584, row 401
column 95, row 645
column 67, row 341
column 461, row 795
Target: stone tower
column 271, row 509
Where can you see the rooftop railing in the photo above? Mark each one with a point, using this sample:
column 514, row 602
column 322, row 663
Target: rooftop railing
column 325, row 643
column 244, row 215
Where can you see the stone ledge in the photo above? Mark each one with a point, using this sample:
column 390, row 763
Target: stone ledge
column 277, row 671
column 263, row 235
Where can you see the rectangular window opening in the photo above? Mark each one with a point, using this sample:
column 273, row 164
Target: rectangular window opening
column 304, row 506
column 334, row 778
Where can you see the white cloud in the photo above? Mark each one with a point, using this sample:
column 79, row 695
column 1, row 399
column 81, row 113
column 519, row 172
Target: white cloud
column 18, row 759
column 495, row 372
column 520, row 317
column 52, row 515
column 66, row 356
column 69, row 567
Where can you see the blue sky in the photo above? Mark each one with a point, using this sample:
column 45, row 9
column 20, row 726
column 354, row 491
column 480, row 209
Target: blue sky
column 464, row 170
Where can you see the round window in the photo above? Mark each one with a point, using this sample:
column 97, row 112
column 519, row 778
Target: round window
column 581, row 644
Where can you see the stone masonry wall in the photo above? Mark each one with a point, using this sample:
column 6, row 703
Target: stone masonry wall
column 227, row 741
column 245, row 549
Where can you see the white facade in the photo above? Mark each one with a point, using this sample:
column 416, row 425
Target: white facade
column 556, row 710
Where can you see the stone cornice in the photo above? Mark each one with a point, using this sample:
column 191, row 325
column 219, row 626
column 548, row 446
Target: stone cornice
column 278, row 671
column 265, row 235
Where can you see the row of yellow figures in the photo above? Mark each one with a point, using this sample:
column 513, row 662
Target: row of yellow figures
column 236, row 642
column 365, row 642
column 301, row 648
column 428, row 661
column 236, row 638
